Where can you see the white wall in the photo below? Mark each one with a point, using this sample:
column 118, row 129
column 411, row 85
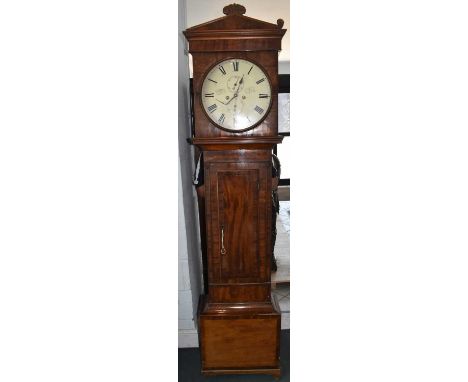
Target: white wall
column 200, row 11
column 186, row 313
column 189, row 252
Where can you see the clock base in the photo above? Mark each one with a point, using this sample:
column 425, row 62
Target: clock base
column 274, row 372
column 241, row 338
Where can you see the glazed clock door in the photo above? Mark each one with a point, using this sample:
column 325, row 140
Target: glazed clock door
column 239, row 212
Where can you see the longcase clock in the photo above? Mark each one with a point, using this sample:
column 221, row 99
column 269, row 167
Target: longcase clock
column 235, row 107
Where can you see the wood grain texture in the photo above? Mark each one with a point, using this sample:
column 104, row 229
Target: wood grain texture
column 240, row 310
column 232, row 342
column 237, row 156
column 233, row 24
column 237, row 310
column 235, row 292
column 237, row 143
column 238, row 200
column 238, row 210
column 239, row 337
column 275, row 372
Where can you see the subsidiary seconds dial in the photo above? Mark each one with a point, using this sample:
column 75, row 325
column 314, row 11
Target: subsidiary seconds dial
column 236, row 94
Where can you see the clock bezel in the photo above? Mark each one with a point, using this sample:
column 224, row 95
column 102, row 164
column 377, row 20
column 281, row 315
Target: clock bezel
column 265, row 72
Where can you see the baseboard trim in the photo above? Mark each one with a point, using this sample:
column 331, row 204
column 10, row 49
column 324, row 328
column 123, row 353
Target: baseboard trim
column 188, row 338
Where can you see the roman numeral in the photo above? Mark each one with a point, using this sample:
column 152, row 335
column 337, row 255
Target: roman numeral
column 235, row 64
column 209, row 79
column 260, row 80
column 259, row 110
column 250, row 69
column 221, row 119
column 212, row 108
column 261, row 95
column 222, row 69
column 209, row 94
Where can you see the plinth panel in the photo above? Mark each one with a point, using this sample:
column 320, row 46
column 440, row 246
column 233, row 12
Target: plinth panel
column 239, row 338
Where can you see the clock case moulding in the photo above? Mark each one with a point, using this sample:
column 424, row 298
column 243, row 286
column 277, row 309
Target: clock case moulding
column 238, row 319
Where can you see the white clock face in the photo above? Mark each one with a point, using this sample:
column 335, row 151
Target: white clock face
column 236, row 94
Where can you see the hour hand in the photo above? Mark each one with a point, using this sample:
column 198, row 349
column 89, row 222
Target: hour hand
column 227, row 103
column 238, row 88
column 240, row 83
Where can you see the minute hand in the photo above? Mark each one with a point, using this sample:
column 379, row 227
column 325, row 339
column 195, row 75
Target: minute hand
column 237, row 91
column 240, row 83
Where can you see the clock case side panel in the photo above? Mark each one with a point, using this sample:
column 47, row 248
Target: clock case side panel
column 203, row 61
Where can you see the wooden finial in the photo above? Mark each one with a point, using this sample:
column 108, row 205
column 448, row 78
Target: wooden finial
column 280, row 23
column 234, row 9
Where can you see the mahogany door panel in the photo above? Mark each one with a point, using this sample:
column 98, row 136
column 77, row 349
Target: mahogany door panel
column 239, row 209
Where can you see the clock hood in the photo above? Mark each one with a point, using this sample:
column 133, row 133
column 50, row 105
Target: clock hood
column 211, row 36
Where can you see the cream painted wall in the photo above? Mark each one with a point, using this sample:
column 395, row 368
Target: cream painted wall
column 200, row 11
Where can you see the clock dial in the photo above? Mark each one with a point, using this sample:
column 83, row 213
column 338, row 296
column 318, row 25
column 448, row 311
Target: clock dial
column 236, row 94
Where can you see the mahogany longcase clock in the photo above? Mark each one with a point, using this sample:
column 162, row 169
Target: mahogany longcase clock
column 235, row 86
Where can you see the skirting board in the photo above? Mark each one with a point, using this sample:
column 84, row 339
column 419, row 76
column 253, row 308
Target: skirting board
column 188, row 338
